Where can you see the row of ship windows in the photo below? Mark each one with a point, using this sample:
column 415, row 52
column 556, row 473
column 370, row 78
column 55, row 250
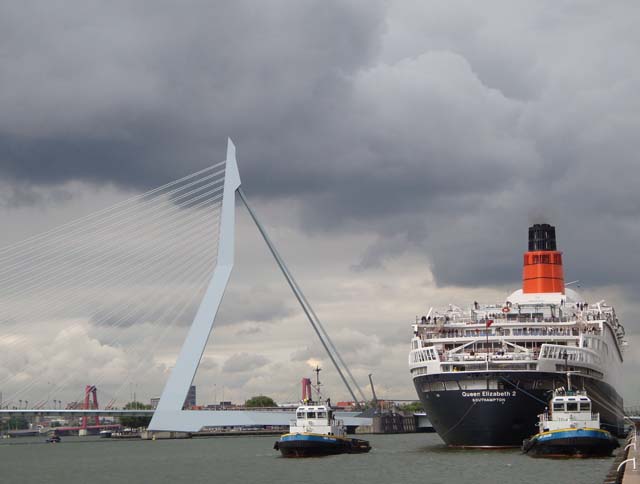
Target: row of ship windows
column 311, row 415
column 423, row 370
column 492, row 366
column 572, row 407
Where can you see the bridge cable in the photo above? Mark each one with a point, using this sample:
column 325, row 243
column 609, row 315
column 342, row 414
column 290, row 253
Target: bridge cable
column 65, row 303
column 109, row 229
column 296, row 291
column 141, row 296
column 45, row 235
column 183, row 234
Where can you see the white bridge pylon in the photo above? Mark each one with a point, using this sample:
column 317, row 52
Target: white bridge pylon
column 169, row 414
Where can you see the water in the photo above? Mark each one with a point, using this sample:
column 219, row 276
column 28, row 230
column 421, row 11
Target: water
column 405, row 458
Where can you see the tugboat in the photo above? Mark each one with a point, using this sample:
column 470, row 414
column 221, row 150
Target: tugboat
column 315, row 431
column 570, row 430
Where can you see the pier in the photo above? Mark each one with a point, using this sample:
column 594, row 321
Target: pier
column 625, row 467
column 632, row 467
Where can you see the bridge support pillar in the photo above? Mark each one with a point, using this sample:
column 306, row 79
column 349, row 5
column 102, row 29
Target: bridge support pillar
column 169, row 415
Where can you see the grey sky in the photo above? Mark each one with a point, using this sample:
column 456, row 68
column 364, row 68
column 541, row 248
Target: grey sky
column 384, row 142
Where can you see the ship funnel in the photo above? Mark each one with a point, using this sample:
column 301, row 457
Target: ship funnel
column 542, row 271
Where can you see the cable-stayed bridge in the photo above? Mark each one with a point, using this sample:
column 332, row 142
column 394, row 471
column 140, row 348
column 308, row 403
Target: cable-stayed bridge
column 151, row 261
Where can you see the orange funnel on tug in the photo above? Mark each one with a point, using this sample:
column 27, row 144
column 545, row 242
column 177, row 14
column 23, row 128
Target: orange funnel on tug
column 542, row 271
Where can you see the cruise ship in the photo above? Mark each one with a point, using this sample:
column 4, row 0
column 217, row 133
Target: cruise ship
column 486, row 372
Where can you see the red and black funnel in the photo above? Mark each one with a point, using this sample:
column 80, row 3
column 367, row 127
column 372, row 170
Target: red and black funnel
column 542, row 271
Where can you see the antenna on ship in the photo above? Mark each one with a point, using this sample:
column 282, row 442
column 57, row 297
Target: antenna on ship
column 318, row 370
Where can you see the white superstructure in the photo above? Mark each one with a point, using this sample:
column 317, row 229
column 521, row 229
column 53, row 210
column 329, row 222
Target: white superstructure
column 549, row 332
column 316, row 419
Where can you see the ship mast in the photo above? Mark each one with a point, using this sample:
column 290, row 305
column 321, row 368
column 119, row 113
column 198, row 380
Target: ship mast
column 318, row 370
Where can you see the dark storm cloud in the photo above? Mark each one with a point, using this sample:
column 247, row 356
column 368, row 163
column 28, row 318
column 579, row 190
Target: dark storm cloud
column 140, row 94
column 442, row 128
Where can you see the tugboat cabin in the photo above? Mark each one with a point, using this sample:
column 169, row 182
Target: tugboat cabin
column 571, row 409
column 316, row 419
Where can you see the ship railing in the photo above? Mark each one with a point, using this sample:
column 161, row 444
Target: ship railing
column 504, row 318
column 561, row 352
column 528, row 332
column 492, row 356
column 481, row 365
column 572, row 416
column 294, row 422
column 513, row 356
column 546, row 417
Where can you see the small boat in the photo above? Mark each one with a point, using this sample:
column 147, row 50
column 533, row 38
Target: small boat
column 106, row 434
column 316, row 432
column 570, row 429
column 54, row 439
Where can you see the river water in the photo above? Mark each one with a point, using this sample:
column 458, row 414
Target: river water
column 401, row 459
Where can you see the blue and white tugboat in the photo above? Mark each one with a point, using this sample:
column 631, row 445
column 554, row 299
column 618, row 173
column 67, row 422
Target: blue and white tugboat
column 571, row 429
column 316, row 432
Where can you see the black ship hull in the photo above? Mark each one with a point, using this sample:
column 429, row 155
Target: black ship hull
column 303, row 446
column 500, row 409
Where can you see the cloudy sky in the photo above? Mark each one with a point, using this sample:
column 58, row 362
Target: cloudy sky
column 397, row 152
